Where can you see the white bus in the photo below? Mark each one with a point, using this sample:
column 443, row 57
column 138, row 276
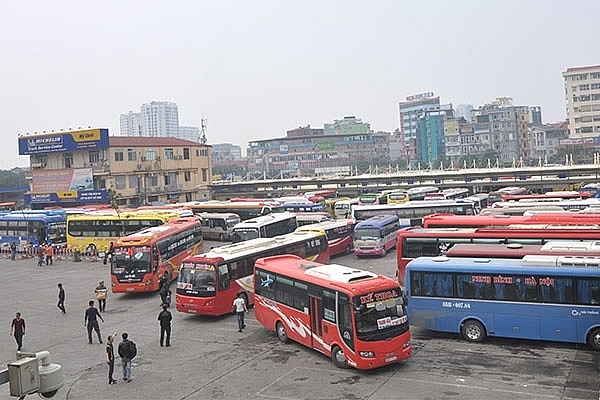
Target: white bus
column 265, row 226
column 412, row 212
column 218, row 226
column 343, row 208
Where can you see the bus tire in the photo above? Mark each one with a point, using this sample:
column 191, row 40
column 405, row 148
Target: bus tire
column 281, row 333
column 594, row 338
column 473, row 331
column 338, row 357
column 348, row 249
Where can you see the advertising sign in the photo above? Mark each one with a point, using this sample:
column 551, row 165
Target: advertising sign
column 88, row 139
column 61, row 180
column 62, row 198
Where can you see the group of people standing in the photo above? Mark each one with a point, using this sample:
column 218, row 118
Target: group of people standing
column 45, row 253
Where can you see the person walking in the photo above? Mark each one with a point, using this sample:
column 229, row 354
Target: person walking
column 49, row 254
column 109, row 253
column 127, row 352
column 13, row 251
column 239, row 307
column 101, row 292
column 91, row 321
column 110, row 357
column 41, row 253
column 165, row 319
column 61, row 298
column 164, row 288
column 17, row 328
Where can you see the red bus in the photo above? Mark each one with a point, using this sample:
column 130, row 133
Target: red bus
column 518, row 250
column 339, row 234
column 140, row 259
column 496, row 196
column 481, row 220
column 431, row 242
column 356, row 317
column 208, row 283
column 548, row 196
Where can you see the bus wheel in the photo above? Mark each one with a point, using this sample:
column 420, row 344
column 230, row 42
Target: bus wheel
column 348, row 249
column 594, row 339
column 281, row 333
column 473, row 331
column 338, row 357
column 221, row 237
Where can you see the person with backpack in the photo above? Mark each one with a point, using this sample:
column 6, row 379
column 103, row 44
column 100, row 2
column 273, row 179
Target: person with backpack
column 127, row 352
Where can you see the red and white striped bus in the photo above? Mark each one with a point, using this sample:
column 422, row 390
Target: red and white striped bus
column 355, row 317
column 208, row 283
column 140, row 259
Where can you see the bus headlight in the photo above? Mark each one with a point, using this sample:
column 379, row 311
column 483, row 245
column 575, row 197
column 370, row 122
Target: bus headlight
column 367, row 354
column 406, row 345
column 149, row 282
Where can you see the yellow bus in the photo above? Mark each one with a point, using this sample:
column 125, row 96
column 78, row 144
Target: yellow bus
column 94, row 231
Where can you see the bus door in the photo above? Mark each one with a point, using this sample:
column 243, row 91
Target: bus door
column 316, row 323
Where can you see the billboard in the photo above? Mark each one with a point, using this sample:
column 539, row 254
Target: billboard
column 65, row 180
column 66, row 198
column 88, row 139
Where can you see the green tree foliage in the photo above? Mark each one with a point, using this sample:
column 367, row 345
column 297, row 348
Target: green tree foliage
column 13, row 177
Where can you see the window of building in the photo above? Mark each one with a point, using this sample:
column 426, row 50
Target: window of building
column 595, row 75
column 171, row 179
column 133, row 181
column 151, row 180
column 187, row 176
column 67, row 160
column 595, row 97
column 94, row 156
column 150, row 155
column 169, row 154
column 203, row 152
column 595, row 86
column 186, row 153
column 119, row 155
column 585, row 86
column 131, row 155
column 574, row 88
column 204, row 174
column 120, row 181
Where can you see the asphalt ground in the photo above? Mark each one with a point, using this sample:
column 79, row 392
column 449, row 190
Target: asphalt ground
column 209, row 359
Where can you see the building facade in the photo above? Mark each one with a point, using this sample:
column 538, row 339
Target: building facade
column 410, row 113
column 582, row 96
column 309, row 152
column 77, row 168
column 159, row 119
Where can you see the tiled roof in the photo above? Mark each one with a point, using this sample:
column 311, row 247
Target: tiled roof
column 144, row 141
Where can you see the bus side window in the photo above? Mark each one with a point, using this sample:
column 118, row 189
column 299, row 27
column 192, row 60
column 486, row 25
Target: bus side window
column 156, row 257
column 223, row 277
column 595, row 295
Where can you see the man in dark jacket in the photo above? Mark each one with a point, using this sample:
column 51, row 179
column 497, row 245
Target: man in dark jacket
column 61, row 298
column 165, row 318
column 127, row 351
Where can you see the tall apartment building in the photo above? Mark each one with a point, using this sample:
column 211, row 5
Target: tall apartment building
column 130, row 124
column 191, row 133
column 430, row 134
column 410, row 112
column 546, row 139
column 582, row 95
column 159, row 119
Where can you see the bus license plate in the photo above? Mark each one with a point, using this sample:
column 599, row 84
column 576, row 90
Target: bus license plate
column 390, row 359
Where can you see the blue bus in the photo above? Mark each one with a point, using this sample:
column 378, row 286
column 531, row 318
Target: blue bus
column 554, row 298
column 376, row 235
column 33, row 228
column 305, row 207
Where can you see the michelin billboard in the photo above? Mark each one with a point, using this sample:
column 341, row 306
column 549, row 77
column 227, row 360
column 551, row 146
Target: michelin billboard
column 88, row 139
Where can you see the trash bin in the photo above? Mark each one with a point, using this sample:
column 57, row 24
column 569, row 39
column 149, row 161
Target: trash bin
column 77, row 255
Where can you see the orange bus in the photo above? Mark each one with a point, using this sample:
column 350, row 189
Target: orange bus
column 356, row 317
column 208, row 283
column 140, row 259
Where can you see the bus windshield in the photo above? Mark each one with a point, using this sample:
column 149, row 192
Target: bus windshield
column 131, row 262
column 378, row 319
column 367, row 233
column 197, row 280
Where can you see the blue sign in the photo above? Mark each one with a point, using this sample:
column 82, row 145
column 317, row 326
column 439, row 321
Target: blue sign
column 89, row 139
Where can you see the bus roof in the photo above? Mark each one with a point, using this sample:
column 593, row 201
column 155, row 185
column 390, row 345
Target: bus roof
column 265, row 219
column 143, row 236
column 518, row 250
column 239, row 249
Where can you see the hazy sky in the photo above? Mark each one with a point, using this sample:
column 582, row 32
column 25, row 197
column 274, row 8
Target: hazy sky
column 255, row 69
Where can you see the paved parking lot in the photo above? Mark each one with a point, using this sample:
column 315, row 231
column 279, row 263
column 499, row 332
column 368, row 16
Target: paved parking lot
column 209, row 359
